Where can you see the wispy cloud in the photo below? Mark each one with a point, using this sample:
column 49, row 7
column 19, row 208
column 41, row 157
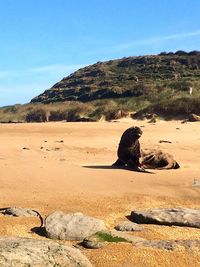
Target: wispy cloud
column 57, row 69
column 30, row 81
column 20, row 93
column 150, row 41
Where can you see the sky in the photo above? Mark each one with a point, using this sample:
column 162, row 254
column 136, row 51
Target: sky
column 42, row 41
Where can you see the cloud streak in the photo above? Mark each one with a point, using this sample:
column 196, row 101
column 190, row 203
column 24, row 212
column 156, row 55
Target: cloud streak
column 150, row 41
column 58, row 69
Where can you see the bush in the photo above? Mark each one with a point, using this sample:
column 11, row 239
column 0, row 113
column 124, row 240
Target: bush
column 73, row 115
column 180, row 85
column 36, row 115
column 174, row 108
column 58, row 115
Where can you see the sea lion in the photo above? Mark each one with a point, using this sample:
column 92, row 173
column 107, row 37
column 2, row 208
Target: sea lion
column 129, row 149
column 157, row 159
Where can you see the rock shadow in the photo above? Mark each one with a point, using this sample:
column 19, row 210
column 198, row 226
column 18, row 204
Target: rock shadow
column 41, row 231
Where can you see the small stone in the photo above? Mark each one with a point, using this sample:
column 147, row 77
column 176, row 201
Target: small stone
column 94, row 242
column 165, row 141
column 128, row 226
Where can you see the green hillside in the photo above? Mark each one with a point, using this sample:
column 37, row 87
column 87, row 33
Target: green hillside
column 128, row 77
column 167, row 84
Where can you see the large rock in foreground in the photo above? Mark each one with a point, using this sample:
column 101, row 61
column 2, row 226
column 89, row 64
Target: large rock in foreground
column 76, row 226
column 179, row 216
column 23, row 252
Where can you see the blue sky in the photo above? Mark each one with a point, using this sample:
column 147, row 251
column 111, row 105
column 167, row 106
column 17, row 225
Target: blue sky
column 42, row 41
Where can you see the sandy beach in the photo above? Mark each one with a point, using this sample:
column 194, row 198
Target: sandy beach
column 67, row 166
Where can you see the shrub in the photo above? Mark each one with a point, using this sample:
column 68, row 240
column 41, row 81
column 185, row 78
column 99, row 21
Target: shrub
column 107, row 237
column 36, row 115
column 174, row 108
column 73, row 114
column 58, row 115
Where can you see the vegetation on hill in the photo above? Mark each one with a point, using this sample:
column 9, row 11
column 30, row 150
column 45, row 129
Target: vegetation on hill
column 128, row 77
column 167, row 84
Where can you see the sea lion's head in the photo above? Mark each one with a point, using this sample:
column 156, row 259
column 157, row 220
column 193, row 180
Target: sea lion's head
column 135, row 132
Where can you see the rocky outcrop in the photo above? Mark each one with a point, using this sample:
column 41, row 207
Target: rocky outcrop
column 76, row 226
column 179, row 217
column 22, row 252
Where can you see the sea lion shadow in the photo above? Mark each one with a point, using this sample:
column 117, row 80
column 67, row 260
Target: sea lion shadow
column 110, row 167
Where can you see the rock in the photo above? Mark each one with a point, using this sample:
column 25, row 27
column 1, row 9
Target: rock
column 179, row 216
column 189, row 244
column 53, row 149
column 94, row 242
column 153, row 120
column 170, row 244
column 22, row 252
column 103, row 238
column 193, row 117
column 129, row 238
column 128, row 226
column 165, row 141
column 196, row 182
column 76, row 226
column 14, row 211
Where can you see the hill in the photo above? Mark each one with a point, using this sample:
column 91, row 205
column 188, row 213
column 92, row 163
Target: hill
column 167, row 84
column 128, row 77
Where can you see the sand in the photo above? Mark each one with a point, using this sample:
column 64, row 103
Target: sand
column 66, row 166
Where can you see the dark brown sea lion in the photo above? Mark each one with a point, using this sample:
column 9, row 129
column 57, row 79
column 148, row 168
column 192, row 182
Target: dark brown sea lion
column 129, row 149
column 157, row 159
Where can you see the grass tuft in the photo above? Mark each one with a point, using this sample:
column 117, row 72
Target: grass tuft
column 106, row 237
